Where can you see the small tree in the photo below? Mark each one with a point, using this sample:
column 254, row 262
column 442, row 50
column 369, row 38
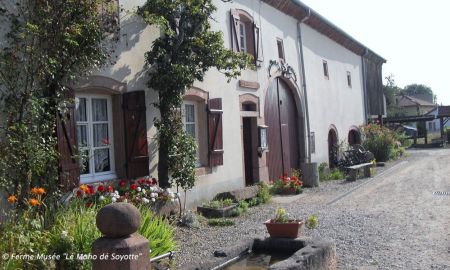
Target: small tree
column 46, row 45
column 186, row 49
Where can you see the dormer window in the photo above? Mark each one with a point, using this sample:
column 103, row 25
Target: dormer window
column 245, row 35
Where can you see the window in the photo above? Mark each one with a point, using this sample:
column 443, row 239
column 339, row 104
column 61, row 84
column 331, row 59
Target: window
column 280, row 49
column 245, row 35
column 189, row 118
column 242, row 37
column 94, row 136
column 349, row 79
column 325, row 69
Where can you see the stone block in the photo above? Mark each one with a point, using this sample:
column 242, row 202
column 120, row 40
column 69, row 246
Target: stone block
column 118, row 220
column 130, row 253
column 239, row 194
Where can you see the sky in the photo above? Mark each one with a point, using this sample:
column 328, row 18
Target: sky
column 412, row 35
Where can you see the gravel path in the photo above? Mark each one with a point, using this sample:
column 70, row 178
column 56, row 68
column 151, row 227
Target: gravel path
column 392, row 221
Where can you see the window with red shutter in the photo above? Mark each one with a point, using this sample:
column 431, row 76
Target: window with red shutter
column 69, row 169
column 246, row 35
column 136, row 146
column 215, row 132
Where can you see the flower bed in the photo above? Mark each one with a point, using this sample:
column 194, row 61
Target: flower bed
column 287, row 185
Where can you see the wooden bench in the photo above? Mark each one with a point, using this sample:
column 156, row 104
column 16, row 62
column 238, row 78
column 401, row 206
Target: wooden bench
column 353, row 170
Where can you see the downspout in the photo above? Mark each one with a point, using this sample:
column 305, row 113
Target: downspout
column 366, row 118
column 299, row 30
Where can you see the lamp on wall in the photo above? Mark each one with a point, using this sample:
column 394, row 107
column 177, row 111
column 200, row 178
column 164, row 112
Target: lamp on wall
column 263, row 144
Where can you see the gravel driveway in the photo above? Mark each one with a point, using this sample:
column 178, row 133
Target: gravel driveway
column 391, row 221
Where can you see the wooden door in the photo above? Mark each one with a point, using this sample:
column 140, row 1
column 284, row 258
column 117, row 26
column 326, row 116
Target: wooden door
column 282, row 121
column 248, row 150
column 333, row 148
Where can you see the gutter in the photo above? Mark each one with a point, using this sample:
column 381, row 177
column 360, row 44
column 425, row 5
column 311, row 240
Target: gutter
column 302, row 61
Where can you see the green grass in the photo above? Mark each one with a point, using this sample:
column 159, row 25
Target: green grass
column 221, row 222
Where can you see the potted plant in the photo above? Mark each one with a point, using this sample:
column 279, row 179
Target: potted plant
column 283, row 226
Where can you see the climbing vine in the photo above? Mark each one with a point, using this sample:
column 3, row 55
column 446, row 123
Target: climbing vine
column 186, row 49
column 45, row 46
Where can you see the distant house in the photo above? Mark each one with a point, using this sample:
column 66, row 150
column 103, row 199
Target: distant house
column 412, row 106
column 435, row 125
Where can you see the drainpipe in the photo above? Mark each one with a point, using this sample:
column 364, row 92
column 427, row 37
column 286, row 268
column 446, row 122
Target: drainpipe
column 299, row 30
column 366, row 117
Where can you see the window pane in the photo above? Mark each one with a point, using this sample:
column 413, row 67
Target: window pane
column 101, row 160
column 189, row 113
column 82, row 135
column 99, row 110
column 101, row 137
column 190, row 129
column 80, row 113
column 84, row 162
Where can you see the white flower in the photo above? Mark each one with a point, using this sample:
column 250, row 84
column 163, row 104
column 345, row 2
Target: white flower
column 125, row 200
column 64, row 234
column 152, row 189
column 153, row 200
column 153, row 195
column 145, row 200
column 138, row 189
column 143, row 191
column 114, row 199
column 101, row 198
column 116, row 192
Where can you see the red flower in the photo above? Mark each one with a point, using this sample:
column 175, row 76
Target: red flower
column 154, row 181
column 105, row 141
column 122, row 183
column 133, row 186
column 101, row 188
column 79, row 193
column 90, row 190
column 110, row 189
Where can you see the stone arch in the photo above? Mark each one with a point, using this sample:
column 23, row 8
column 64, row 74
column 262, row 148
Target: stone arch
column 101, row 85
column 284, row 99
column 354, row 136
column 333, row 146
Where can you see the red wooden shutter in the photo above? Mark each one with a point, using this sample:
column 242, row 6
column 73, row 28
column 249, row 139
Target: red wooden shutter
column 235, row 40
column 258, row 44
column 69, row 167
column 215, row 137
column 136, row 147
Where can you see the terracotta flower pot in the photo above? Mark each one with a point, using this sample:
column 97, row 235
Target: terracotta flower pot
column 287, row 230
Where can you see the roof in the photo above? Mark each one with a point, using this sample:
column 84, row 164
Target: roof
column 444, row 111
column 302, row 12
column 406, row 101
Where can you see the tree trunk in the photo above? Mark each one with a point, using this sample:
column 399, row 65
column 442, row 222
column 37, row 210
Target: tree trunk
column 163, row 151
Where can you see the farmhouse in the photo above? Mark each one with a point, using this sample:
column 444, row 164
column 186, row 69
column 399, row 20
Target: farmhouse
column 312, row 86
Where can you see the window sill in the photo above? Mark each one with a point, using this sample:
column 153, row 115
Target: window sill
column 88, row 179
column 199, row 171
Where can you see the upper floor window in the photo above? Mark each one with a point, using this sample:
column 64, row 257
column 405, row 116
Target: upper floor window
column 325, row 69
column 349, row 79
column 280, row 48
column 245, row 34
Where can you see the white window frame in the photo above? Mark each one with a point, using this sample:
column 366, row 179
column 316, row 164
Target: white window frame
column 242, row 36
column 196, row 122
column 92, row 176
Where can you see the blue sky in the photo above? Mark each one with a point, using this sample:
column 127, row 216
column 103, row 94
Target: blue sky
column 412, row 35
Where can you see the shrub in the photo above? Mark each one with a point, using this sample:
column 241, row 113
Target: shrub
column 336, row 174
column 378, row 140
column 158, row 231
column 264, row 193
column 220, row 222
column 216, row 204
column 244, row 206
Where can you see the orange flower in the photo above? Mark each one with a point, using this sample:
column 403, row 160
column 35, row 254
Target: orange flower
column 84, row 188
column 38, row 191
column 12, row 199
column 34, row 202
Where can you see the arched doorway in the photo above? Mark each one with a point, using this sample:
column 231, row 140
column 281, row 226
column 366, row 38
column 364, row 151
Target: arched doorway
column 282, row 119
column 354, row 137
column 333, row 147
